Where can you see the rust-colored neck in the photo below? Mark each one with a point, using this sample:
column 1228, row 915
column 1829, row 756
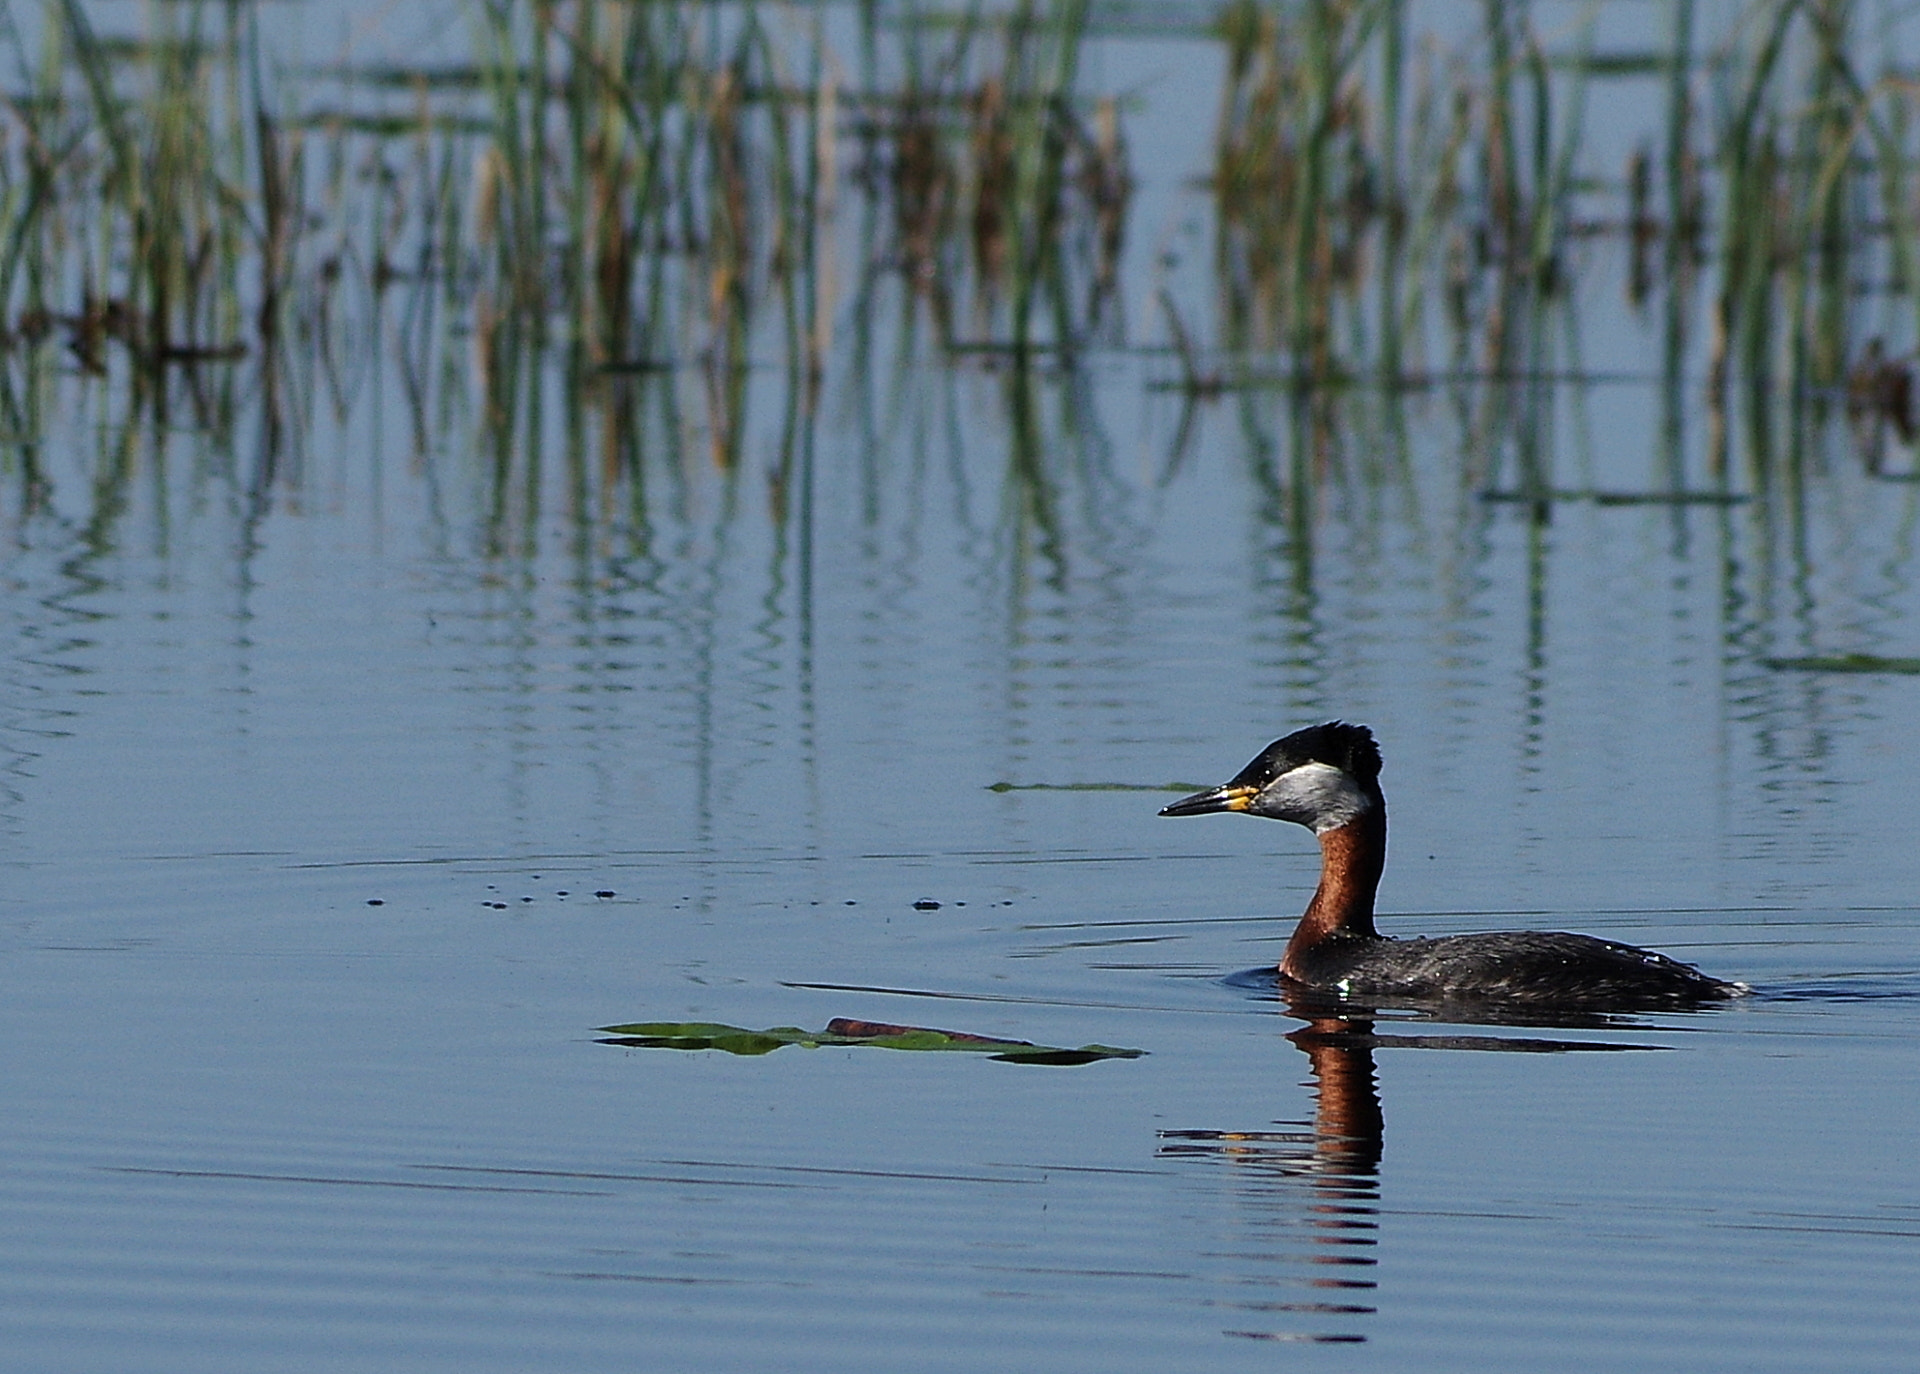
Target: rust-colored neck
column 1351, row 860
column 1347, row 1123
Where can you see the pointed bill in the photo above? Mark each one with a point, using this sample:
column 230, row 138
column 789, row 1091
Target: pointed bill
column 1229, row 797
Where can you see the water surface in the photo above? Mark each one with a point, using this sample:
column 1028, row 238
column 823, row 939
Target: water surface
column 335, row 822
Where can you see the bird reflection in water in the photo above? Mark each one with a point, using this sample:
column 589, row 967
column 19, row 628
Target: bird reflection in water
column 1323, row 1185
column 1338, row 1161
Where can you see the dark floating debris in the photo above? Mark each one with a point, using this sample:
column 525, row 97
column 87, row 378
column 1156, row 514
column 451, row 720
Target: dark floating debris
column 1880, row 395
column 1620, row 498
column 1845, row 663
column 606, row 892
column 1094, row 787
column 709, row 1035
column 376, row 901
column 926, row 904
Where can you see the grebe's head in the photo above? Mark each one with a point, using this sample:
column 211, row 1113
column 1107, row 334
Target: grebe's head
column 1323, row 777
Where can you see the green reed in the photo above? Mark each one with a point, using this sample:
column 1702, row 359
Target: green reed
column 1394, row 207
column 651, row 197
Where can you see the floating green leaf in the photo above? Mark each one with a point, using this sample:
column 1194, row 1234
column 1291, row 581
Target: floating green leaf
column 710, row 1035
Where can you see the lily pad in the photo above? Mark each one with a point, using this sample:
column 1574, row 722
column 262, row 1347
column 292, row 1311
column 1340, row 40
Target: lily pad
column 711, row 1035
column 1847, row 663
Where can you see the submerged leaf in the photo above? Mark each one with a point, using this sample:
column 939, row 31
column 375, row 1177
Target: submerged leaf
column 711, row 1035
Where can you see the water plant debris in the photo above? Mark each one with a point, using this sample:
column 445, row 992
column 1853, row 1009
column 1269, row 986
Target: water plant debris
column 709, row 1035
column 1846, row 663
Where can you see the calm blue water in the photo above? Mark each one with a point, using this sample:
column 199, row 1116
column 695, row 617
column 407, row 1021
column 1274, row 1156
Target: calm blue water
column 256, row 1122
column 334, row 824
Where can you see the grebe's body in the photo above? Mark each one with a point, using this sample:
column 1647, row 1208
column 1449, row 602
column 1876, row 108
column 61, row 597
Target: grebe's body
column 1327, row 778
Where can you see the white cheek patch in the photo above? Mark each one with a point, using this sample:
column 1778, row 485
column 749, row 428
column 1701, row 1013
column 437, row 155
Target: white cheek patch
column 1316, row 795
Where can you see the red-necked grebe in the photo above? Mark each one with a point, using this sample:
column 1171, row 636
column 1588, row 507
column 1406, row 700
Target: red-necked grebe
column 1327, row 778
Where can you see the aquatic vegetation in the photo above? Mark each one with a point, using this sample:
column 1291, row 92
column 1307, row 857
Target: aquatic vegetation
column 704, row 1035
column 1847, row 663
column 683, row 225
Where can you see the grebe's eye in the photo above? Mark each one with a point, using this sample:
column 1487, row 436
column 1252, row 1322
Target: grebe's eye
column 1317, row 795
